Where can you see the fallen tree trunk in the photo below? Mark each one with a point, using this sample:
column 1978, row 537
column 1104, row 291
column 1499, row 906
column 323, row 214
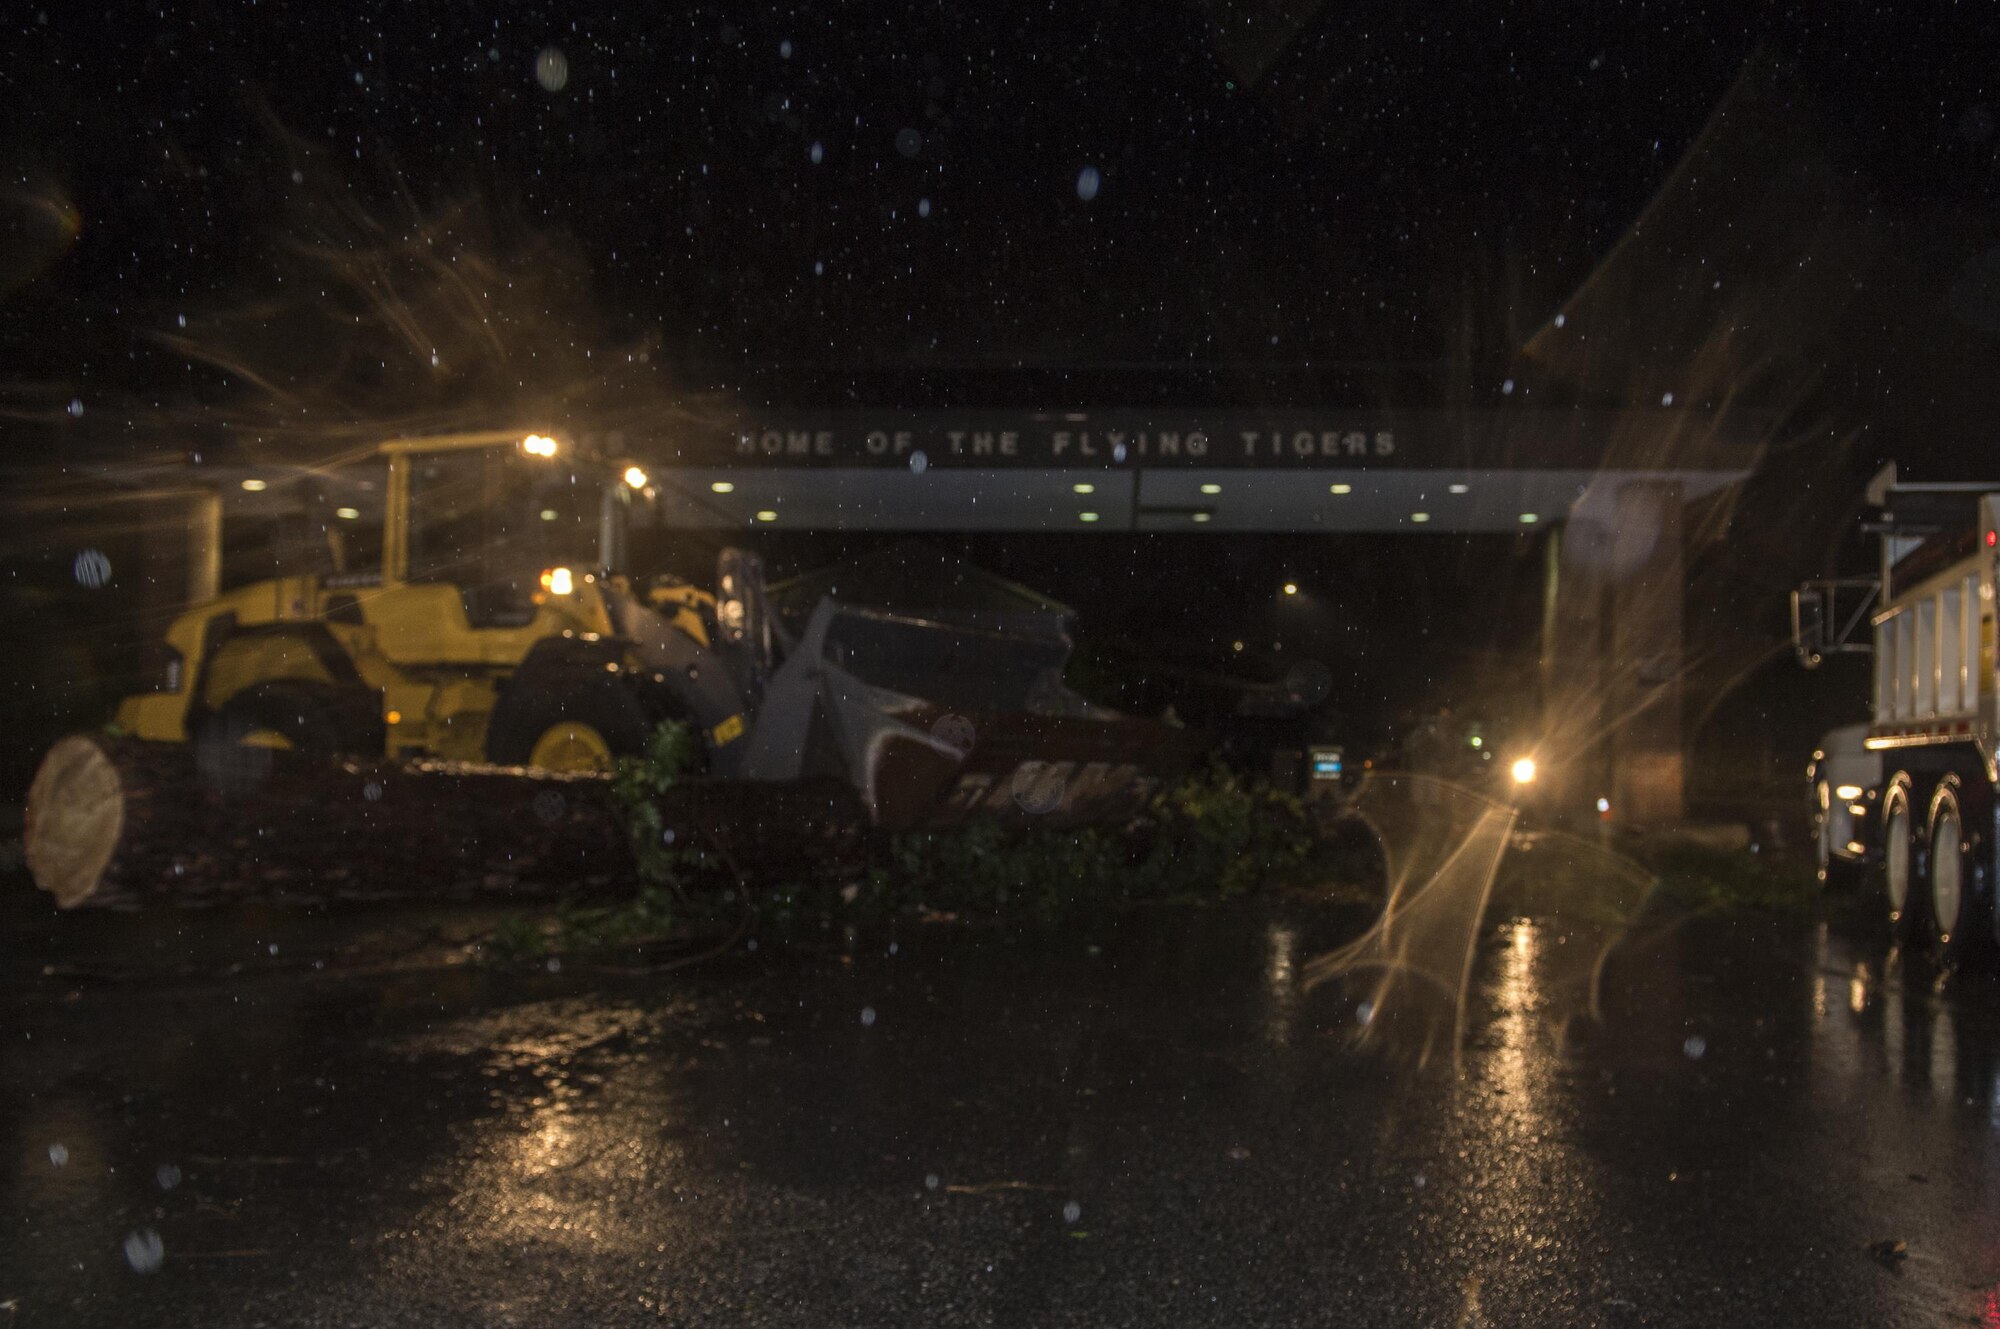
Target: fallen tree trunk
column 115, row 822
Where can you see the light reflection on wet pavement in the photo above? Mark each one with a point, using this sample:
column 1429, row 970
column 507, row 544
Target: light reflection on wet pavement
column 1150, row 1121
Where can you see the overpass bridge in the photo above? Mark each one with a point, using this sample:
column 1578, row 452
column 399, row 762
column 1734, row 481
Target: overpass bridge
column 1602, row 491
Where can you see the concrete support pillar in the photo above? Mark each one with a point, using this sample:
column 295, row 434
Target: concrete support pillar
column 1647, row 590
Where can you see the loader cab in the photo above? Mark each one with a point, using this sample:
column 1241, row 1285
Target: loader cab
column 498, row 521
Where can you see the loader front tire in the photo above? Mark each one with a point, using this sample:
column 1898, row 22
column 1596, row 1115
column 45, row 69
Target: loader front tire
column 581, row 726
column 233, row 744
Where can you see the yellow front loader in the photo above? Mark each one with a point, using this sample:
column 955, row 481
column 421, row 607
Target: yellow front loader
column 482, row 622
column 490, row 617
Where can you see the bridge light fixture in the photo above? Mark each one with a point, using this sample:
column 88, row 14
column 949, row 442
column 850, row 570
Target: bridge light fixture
column 721, row 487
column 1340, row 489
column 767, row 514
column 1211, row 489
column 1529, row 519
column 1083, row 487
column 1420, row 516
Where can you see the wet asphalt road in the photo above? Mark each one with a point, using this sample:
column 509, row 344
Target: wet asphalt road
column 1145, row 1122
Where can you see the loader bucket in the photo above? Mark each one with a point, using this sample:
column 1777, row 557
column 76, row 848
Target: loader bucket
column 937, row 718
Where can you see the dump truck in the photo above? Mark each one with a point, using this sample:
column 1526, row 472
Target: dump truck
column 492, row 616
column 1911, row 798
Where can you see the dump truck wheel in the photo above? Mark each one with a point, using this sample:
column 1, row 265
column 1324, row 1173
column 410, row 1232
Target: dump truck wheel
column 1959, row 881
column 1902, row 880
column 573, row 728
column 233, row 745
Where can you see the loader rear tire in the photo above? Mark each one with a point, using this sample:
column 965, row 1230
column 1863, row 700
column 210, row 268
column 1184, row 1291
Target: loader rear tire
column 233, row 745
column 579, row 726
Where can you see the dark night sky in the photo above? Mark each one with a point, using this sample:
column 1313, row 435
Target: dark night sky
column 1356, row 185
column 268, row 221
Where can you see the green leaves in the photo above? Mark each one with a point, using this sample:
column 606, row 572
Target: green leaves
column 1215, row 836
column 637, row 784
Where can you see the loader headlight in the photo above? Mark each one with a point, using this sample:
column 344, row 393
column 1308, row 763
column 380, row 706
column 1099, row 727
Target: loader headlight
column 1848, row 791
column 635, row 478
column 1523, row 770
column 558, row 581
column 539, row 445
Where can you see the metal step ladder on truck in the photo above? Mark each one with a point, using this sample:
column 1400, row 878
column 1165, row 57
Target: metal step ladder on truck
column 1909, row 802
column 472, row 599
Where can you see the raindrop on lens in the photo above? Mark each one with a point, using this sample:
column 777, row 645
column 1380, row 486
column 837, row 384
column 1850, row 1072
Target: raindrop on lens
column 919, row 463
column 1072, row 1211
column 552, row 69
column 1695, row 1047
column 144, row 1250
column 784, row 50
column 76, row 407
column 168, row 1176
column 92, row 569
column 1087, row 182
column 1507, row 388
column 816, row 154
column 372, row 791
column 1365, row 1012
column 909, row 142
column 867, row 1017
column 58, row 1154
column 1561, row 319
column 1666, row 399
column 931, row 1181
column 923, row 207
